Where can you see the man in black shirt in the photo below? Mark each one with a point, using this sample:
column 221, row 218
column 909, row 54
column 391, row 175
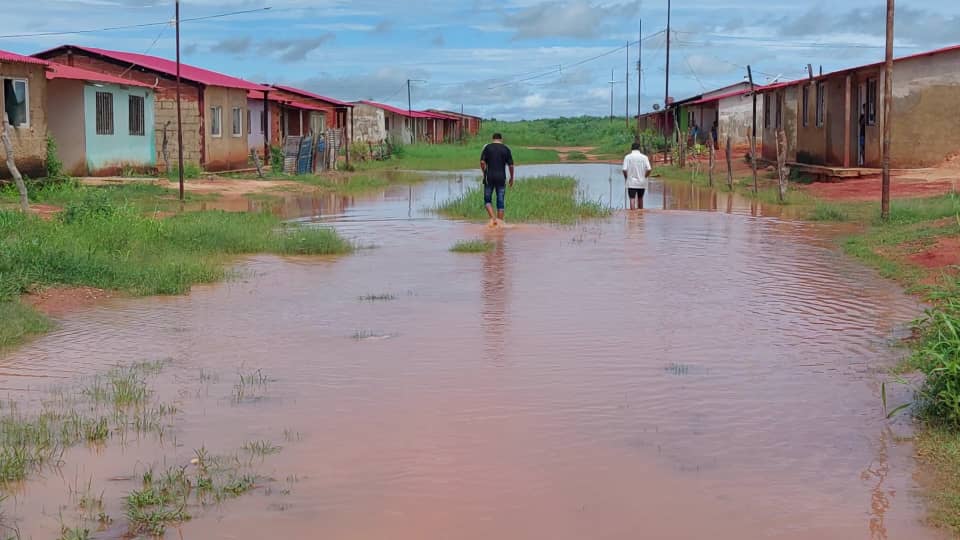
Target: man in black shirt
column 494, row 162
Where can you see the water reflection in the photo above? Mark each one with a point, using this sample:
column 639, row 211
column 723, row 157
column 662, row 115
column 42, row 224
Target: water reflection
column 494, row 293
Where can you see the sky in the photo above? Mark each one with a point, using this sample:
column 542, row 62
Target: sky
column 512, row 59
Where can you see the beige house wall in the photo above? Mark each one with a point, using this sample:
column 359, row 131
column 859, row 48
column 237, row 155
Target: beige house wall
column 30, row 142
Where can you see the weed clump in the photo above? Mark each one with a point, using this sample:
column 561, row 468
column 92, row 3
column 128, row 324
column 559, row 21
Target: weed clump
column 472, row 246
column 548, row 199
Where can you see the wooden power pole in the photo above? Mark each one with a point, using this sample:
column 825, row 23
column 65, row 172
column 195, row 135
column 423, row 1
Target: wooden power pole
column 753, row 135
column 639, row 75
column 179, row 110
column 887, row 106
column 666, row 95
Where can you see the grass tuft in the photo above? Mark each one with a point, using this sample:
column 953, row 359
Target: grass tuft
column 472, row 246
column 548, row 199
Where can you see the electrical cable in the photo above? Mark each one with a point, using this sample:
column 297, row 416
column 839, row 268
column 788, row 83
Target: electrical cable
column 133, row 26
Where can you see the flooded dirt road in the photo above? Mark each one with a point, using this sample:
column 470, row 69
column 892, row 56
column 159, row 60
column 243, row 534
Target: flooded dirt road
column 670, row 375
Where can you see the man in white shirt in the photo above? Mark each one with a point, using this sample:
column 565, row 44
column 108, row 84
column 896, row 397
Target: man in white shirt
column 636, row 170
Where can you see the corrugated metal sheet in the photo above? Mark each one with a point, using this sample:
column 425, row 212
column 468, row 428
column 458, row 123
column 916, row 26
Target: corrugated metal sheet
column 311, row 95
column 395, row 110
column 6, row 56
column 168, row 67
column 60, row 71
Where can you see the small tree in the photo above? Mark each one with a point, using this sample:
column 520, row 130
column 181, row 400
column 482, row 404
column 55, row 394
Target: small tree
column 12, row 165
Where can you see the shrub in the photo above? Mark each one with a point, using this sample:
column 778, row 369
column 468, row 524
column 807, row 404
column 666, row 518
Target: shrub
column 276, row 159
column 53, row 164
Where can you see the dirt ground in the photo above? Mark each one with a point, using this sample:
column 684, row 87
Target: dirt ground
column 913, row 184
column 207, row 185
column 943, row 255
column 56, row 301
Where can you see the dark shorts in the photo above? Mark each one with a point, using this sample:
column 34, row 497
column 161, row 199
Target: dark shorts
column 636, row 193
column 488, row 190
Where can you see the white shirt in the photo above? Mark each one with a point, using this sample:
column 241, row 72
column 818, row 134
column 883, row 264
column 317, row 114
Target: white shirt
column 636, row 165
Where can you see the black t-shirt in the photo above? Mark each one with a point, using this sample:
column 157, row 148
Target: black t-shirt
column 498, row 157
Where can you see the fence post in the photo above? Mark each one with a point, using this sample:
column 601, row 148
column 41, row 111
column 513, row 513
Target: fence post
column 710, row 143
column 729, row 165
column 12, row 166
column 782, row 163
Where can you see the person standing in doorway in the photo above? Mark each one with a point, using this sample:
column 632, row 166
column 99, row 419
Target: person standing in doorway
column 636, row 171
column 495, row 160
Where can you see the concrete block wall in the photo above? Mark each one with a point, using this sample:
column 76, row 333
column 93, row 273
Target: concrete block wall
column 166, row 108
column 29, row 143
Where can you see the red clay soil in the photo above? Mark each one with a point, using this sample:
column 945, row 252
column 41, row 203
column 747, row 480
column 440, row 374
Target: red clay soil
column 56, row 301
column 942, row 255
column 867, row 189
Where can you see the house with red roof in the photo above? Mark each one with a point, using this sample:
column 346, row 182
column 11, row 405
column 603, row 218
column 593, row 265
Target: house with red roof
column 214, row 105
column 469, row 125
column 294, row 112
column 836, row 120
column 103, row 124
column 22, row 103
column 375, row 122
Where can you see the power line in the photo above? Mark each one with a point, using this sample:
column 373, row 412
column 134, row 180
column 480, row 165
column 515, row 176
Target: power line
column 793, row 44
column 133, row 26
column 561, row 67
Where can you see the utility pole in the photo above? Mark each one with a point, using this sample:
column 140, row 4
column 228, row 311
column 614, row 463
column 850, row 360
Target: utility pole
column 666, row 97
column 413, row 121
column 179, row 111
column 639, row 75
column 887, row 105
column 410, row 107
column 613, row 81
column 626, row 97
column 753, row 136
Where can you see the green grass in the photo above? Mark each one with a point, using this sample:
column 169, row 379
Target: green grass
column 144, row 195
column 576, row 156
column 939, row 449
column 472, row 246
column 442, row 157
column 99, row 243
column 19, row 323
column 609, row 136
column 550, row 199
column 191, row 171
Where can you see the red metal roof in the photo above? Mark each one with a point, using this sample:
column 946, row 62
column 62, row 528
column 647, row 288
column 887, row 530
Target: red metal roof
column 306, row 106
column 311, row 95
column 722, row 96
column 395, row 110
column 6, row 56
column 60, row 71
column 168, row 67
column 441, row 116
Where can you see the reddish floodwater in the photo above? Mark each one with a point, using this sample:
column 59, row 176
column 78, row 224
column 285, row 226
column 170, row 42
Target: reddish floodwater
column 670, row 375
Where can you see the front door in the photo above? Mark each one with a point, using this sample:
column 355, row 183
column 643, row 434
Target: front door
column 859, row 117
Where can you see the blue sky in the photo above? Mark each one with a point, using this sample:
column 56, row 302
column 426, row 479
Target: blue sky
column 509, row 59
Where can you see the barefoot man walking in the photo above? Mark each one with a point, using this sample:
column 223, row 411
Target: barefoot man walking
column 494, row 162
column 636, row 170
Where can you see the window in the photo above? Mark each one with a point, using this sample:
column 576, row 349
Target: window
column 249, row 123
column 779, row 116
column 16, row 99
column 821, row 103
column 806, row 105
column 216, row 121
column 104, row 113
column 691, row 119
column 766, row 111
column 386, row 124
column 237, row 128
column 137, row 127
column 872, row 102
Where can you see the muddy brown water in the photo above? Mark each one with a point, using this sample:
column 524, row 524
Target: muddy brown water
column 673, row 375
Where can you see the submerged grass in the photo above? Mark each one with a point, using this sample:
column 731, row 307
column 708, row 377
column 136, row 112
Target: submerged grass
column 99, row 243
column 440, row 157
column 548, row 199
column 472, row 246
column 19, row 322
